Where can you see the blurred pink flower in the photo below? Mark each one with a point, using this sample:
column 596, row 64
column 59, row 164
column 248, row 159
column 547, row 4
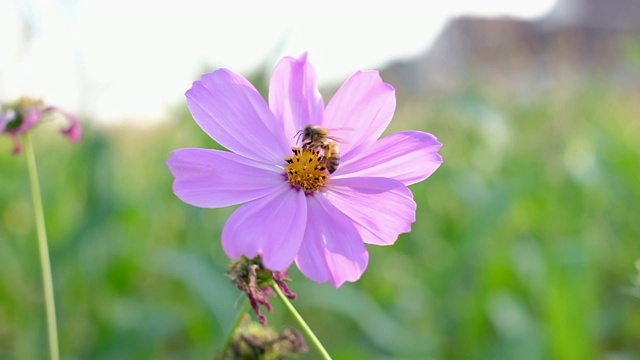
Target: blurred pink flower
column 21, row 116
column 293, row 212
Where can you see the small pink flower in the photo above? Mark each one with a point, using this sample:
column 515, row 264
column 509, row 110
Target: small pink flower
column 21, row 116
column 322, row 224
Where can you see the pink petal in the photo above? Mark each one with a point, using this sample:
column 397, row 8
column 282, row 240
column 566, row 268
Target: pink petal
column 380, row 208
column 74, row 131
column 272, row 226
column 17, row 143
column 293, row 95
column 5, row 119
column 31, row 116
column 360, row 110
column 214, row 178
column 408, row 156
column 230, row 110
column 332, row 248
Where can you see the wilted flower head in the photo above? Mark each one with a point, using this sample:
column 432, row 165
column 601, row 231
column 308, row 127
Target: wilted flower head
column 21, row 116
column 256, row 341
column 251, row 277
column 295, row 207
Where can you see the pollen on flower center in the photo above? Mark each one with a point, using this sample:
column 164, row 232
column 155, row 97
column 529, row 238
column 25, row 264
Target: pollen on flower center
column 307, row 169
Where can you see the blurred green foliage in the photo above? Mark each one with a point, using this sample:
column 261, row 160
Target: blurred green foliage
column 524, row 245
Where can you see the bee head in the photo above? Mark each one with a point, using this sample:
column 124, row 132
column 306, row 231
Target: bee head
column 309, row 131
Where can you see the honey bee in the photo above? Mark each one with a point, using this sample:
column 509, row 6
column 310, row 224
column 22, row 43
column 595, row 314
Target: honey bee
column 316, row 137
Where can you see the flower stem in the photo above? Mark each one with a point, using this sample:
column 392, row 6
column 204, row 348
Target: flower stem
column 305, row 328
column 236, row 323
column 47, row 280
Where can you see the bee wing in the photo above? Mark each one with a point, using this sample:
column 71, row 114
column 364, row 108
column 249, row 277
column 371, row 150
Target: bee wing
column 337, row 138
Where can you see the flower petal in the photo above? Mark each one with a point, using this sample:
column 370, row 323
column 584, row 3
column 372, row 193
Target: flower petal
column 6, row 118
column 74, row 131
column 31, row 116
column 213, row 178
column 272, row 226
column 293, row 95
column 361, row 109
column 332, row 248
column 380, row 208
column 230, row 110
column 17, row 143
column 407, row 156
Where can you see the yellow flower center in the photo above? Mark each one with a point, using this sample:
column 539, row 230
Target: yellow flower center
column 306, row 169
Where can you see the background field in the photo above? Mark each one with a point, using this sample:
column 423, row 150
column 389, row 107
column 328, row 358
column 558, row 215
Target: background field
column 523, row 248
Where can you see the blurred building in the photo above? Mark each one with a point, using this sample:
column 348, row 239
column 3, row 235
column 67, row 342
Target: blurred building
column 577, row 41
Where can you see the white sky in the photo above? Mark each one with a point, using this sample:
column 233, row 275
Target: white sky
column 122, row 60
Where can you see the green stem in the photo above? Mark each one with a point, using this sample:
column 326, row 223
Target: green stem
column 47, row 280
column 236, row 323
column 305, row 328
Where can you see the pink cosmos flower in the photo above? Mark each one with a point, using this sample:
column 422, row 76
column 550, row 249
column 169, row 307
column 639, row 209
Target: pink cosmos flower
column 21, row 116
column 292, row 212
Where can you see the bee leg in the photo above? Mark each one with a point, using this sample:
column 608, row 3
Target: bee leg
column 327, row 151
